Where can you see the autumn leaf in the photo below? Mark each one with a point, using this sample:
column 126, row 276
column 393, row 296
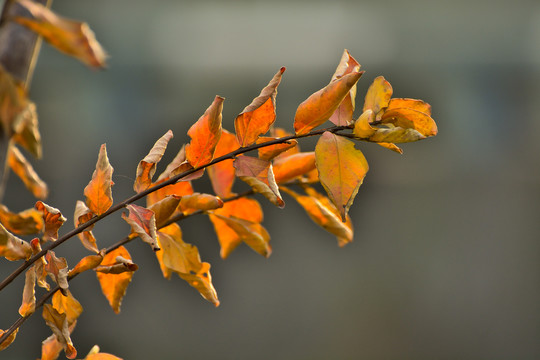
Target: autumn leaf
column 121, row 266
column 180, row 188
column 82, row 215
column 197, row 201
column 28, row 305
column 278, row 132
column 13, row 100
column 222, row 174
column 143, row 223
column 22, row 168
column 59, row 326
column 57, row 268
column 414, row 104
column 9, row 340
column 27, row 222
column 410, row 119
column 50, row 348
column 70, row 37
column 271, row 151
column 378, row 96
column 53, row 219
column 98, row 192
column 87, row 263
column 290, row 167
column 114, row 286
column 184, row 259
column 342, row 169
column 25, row 130
column 344, row 113
column 39, row 265
column 205, row 134
column 258, row 116
column 318, row 108
column 324, row 214
column 95, row 354
column 258, row 174
column 67, row 305
column 164, row 209
column 13, row 248
column 147, row 166
column 251, row 233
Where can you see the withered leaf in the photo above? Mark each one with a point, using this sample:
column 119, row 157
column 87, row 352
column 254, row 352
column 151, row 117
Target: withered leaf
column 114, row 286
column 13, row 100
column 59, row 326
column 57, row 268
column 344, row 113
column 258, row 116
column 98, row 192
column 147, row 166
column 9, row 340
column 82, row 215
column 165, row 208
column 28, row 305
column 27, row 222
column 25, row 130
column 70, row 37
column 13, row 248
column 143, row 223
column 22, row 168
column 53, row 220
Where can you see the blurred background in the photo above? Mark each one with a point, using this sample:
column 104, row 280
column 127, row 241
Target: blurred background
column 446, row 258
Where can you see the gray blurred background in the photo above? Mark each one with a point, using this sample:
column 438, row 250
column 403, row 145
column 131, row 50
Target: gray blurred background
column 446, row 258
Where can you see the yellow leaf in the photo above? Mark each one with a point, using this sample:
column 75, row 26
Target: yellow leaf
column 202, row 281
column 70, row 37
column 410, row 119
column 67, row 305
column 252, row 233
column 98, row 192
column 378, row 96
column 114, row 286
column 22, row 168
column 413, row 104
column 342, row 169
column 13, row 248
column 147, row 166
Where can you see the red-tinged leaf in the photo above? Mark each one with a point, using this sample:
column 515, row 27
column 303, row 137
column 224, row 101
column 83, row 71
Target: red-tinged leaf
column 271, row 151
column 413, row 104
column 258, row 116
column 258, row 174
column 9, row 340
column 27, row 222
column 251, row 233
column 87, row 263
column 22, row 168
column 82, row 215
column 342, row 169
column 98, row 192
column 179, row 189
column 57, row 268
column 59, row 326
column 344, row 113
column 13, row 248
column 147, row 166
column 143, row 223
column 70, row 37
column 53, row 220
column 318, row 108
column 325, row 215
column 196, row 201
column 26, row 133
column 114, row 286
column 291, row 167
column 164, row 209
column 242, row 208
column 67, row 305
column 205, row 134
column 222, row 174
column 95, row 354
column 28, row 305
column 378, row 96
column 50, row 348
column 410, row 119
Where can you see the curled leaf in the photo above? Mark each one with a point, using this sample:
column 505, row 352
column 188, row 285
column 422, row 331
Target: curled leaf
column 87, row 263
column 9, row 340
column 13, row 248
column 164, row 209
column 68, row 36
column 82, row 215
column 412, row 119
column 344, row 113
column 114, row 286
column 143, row 223
column 27, row 222
column 67, row 305
column 53, row 220
column 57, row 268
column 378, row 96
column 28, row 305
column 98, row 192
column 258, row 116
column 22, row 168
column 25, row 130
column 178, row 189
column 196, row 201
column 59, row 326
column 147, row 166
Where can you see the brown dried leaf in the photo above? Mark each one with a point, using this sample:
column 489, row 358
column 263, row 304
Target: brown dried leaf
column 25, row 130
column 57, row 268
column 22, row 168
column 59, row 326
column 147, row 166
column 53, row 220
column 70, row 37
column 143, row 223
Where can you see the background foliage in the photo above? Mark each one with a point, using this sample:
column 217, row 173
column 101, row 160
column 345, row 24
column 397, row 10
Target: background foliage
column 445, row 260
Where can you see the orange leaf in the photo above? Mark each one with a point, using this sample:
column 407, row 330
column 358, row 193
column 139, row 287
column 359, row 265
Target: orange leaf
column 67, row 305
column 378, row 96
column 164, row 209
column 26, row 133
column 28, row 305
column 114, row 286
column 13, row 248
column 258, row 174
column 205, row 134
column 222, row 174
column 50, row 348
column 98, row 191
column 252, row 233
column 290, row 167
column 179, row 189
column 53, row 220
column 70, row 37
column 147, row 166
column 277, row 132
column 82, row 215
column 22, row 168
column 410, row 119
column 87, row 263
column 271, row 151
column 202, row 281
column 344, row 113
column 258, row 116
column 143, row 223
column 318, row 108
column 95, row 354
column 413, row 104
column 196, row 201
column 342, row 169
column 386, row 133
column 27, row 222
column 9, row 340
column 324, row 214
column 13, row 100
column 391, row 146
column 57, row 268
column 59, row 326
column 121, row 266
